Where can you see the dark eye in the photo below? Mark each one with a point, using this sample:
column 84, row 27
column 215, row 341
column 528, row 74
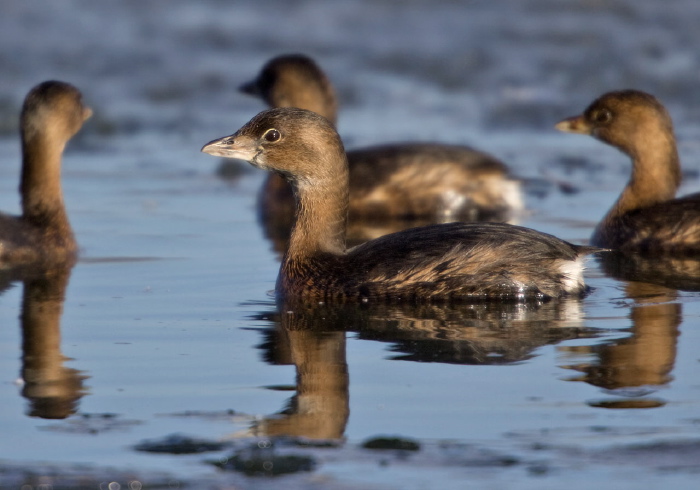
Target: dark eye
column 272, row 135
column 602, row 116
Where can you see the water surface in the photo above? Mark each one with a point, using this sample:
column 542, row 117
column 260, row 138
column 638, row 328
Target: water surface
column 167, row 324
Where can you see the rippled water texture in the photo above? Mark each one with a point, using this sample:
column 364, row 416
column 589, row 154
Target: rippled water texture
column 164, row 340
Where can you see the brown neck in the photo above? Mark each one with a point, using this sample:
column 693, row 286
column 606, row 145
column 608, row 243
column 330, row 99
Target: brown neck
column 321, row 214
column 656, row 176
column 42, row 197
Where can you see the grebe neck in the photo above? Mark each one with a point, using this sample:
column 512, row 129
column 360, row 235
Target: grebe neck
column 40, row 187
column 656, row 176
column 321, row 212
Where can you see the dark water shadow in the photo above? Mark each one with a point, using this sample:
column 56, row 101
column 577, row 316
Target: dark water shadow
column 674, row 272
column 633, row 369
column 478, row 333
column 52, row 389
column 313, row 339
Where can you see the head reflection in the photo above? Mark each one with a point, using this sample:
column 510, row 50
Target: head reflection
column 321, row 406
column 52, row 389
column 641, row 364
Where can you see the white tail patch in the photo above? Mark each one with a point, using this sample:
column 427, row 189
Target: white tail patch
column 572, row 272
column 512, row 195
column 452, row 203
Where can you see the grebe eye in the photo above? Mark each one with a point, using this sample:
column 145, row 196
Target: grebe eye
column 272, row 135
column 602, row 116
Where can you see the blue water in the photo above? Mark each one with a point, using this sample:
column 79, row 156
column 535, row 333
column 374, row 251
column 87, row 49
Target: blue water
column 169, row 310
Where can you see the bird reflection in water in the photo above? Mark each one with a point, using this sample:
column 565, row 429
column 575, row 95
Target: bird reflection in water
column 641, row 364
column 321, row 406
column 53, row 390
column 312, row 337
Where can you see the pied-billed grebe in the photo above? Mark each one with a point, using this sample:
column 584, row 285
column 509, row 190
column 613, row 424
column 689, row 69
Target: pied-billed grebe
column 431, row 263
column 646, row 217
column 441, row 182
column 52, row 113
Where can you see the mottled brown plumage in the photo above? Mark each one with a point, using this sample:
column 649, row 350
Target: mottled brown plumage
column 646, row 217
column 401, row 180
column 457, row 261
column 52, row 113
